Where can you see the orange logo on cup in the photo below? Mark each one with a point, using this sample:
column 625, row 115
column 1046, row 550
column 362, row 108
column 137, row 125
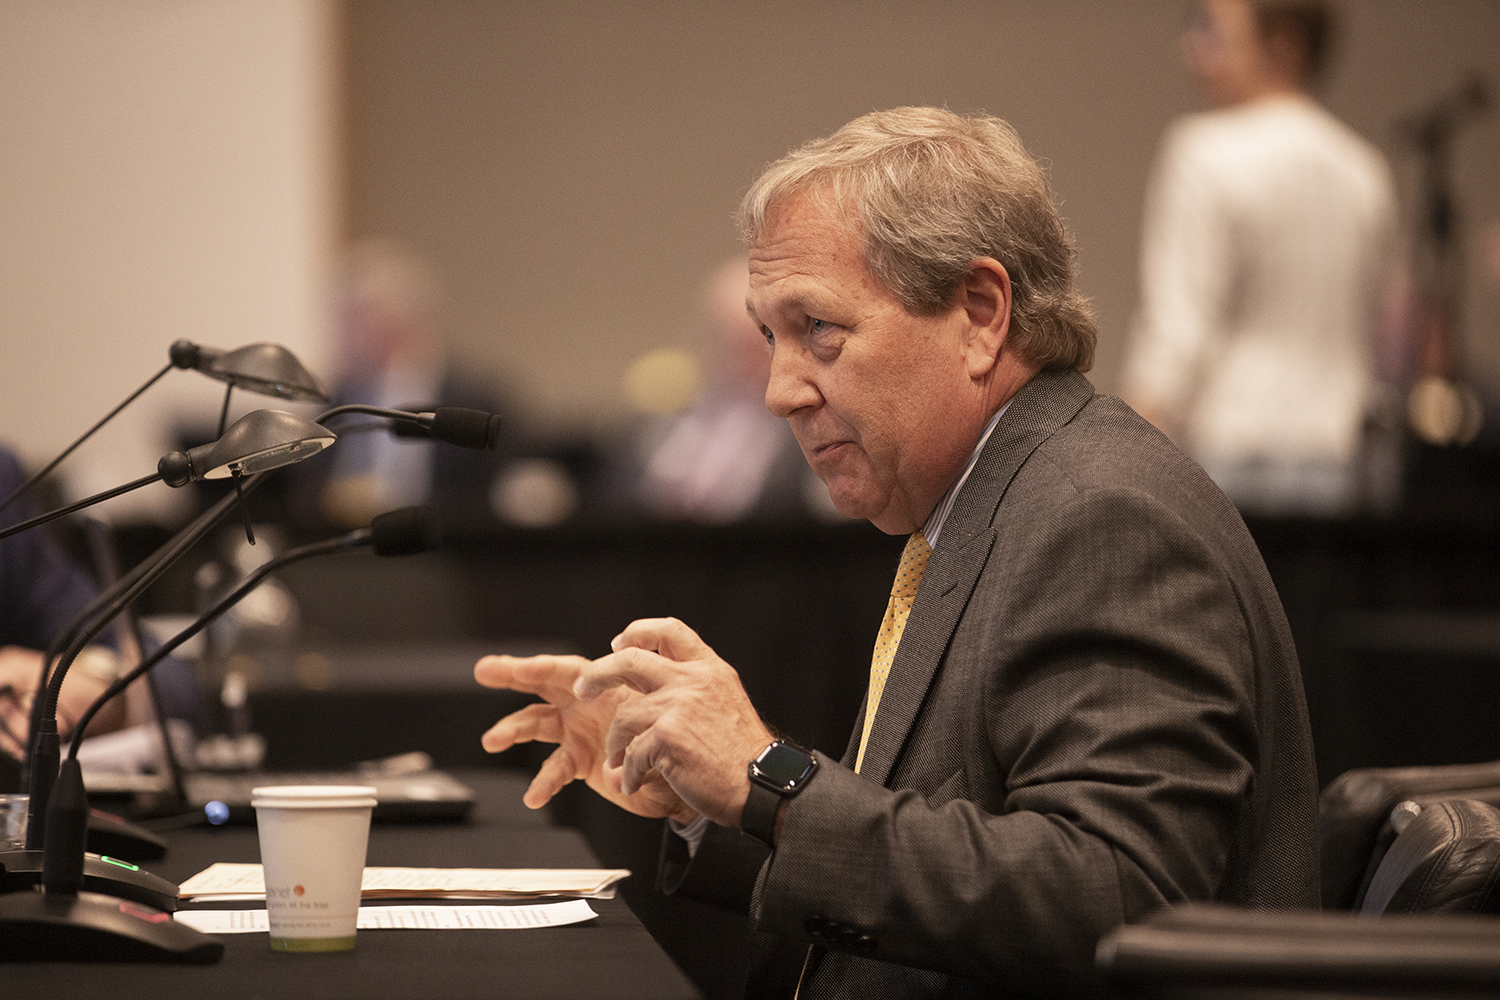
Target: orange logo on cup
column 298, row 890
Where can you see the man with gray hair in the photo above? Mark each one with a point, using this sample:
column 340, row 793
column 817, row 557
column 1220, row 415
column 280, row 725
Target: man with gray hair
column 1083, row 700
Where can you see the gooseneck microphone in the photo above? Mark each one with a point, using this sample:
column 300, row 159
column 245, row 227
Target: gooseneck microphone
column 45, row 750
column 403, row 532
column 259, row 441
column 68, row 923
column 268, row 369
column 455, row 425
column 65, row 923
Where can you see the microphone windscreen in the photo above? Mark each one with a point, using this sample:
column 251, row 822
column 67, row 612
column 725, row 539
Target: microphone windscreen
column 67, row 832
column 465, row 428
column 407, row 429
column 405, row 532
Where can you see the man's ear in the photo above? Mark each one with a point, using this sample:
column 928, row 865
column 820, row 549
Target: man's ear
column 984, row 297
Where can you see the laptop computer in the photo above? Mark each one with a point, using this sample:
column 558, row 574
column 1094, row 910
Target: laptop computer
column 417, row 796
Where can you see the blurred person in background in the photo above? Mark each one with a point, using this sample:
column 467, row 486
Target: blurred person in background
column 726, row 458
column 389, row 350
column 1268, row 241
column 41, row 590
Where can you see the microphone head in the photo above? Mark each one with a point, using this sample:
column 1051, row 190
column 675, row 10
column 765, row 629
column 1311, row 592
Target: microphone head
column 465, row 427
column 175, row 468
column 268, row 369
column 186, row 354
column 262, row 440
column 405, row 532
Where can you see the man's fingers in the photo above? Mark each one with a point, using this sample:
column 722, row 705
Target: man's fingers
column 631, row 719
column 638, row 669
column 667, row 636
column 539, row 722
column 549, row 676
column 556, row 772
column 639, row 759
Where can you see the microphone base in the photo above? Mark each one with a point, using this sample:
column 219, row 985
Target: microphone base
column 21, row 872
column 91, row 927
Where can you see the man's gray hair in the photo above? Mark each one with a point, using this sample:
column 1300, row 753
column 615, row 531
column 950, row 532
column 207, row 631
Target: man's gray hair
column 933, row 192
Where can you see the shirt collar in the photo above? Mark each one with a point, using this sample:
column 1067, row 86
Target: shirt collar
column 939, row 516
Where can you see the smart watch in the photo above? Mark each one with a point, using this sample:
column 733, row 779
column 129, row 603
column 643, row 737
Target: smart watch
column 779, row 772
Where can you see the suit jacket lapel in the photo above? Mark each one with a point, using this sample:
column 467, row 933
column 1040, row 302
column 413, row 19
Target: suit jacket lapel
column 1043, row 405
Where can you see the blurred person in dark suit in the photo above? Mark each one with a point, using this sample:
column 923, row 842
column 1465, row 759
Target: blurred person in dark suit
column 390, row 351
column 1268, row 246
column 41, row 590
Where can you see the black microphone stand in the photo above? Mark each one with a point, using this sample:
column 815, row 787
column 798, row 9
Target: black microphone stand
column 45, row 750
column 28, row 484
column 64, row 924
column 52, row 515
column 65, row 921
column 263, row 368
column 110, row 834
column 354, row 539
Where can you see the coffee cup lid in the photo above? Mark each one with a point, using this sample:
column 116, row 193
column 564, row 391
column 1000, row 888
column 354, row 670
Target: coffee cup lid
column 312, row 796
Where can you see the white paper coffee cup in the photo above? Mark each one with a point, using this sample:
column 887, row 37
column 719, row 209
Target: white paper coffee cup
column 312, row 849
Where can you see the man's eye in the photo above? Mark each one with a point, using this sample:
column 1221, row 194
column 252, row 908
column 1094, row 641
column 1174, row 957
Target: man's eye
column 765, row 331
column 819, row 325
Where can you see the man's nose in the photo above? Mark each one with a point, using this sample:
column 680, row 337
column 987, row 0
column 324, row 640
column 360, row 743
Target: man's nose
column 790, row 387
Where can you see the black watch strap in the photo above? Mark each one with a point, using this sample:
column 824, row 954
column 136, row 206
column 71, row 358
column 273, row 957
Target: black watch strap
column 776, row 774
column 759, row 817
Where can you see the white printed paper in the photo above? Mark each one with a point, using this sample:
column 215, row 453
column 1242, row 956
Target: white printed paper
column 436, row 918
column 226, row 882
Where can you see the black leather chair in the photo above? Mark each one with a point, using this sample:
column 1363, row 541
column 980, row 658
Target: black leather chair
column 1445, row 859
column 1425, row 864
column 1354, row 818
column 1201, row 951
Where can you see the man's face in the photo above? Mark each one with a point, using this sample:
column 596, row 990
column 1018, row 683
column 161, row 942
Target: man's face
column 880, row 400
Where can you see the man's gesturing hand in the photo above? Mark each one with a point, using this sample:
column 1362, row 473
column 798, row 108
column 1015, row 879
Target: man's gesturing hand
column 578, row 727
column 691, row 723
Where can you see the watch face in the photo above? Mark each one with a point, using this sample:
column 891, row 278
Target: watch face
column 784, row 766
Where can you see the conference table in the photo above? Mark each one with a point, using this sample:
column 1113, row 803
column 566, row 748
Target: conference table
column 609, row 957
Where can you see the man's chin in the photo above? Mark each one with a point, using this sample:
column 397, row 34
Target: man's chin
column 851, row 500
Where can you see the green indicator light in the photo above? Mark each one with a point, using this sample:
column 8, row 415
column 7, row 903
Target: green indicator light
column 116, row 861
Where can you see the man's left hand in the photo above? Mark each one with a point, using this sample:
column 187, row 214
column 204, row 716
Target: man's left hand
column 693, row 724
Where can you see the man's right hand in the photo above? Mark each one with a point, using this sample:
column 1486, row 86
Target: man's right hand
column 579, row 728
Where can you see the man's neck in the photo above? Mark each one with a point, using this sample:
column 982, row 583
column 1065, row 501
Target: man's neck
column 1265, row 89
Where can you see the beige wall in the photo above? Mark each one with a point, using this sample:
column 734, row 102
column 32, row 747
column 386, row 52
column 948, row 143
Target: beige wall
column 166, row 170
column 572, row 167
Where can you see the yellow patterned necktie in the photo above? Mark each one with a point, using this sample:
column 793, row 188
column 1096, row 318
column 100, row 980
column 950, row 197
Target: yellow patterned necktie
column 908, row 578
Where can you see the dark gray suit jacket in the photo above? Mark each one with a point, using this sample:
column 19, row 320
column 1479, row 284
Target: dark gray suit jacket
column 1095, row 709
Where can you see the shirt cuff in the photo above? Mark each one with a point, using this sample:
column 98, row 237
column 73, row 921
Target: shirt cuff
column 693, row 832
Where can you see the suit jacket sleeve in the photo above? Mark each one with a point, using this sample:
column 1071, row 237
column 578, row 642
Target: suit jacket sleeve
column 40, row 589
